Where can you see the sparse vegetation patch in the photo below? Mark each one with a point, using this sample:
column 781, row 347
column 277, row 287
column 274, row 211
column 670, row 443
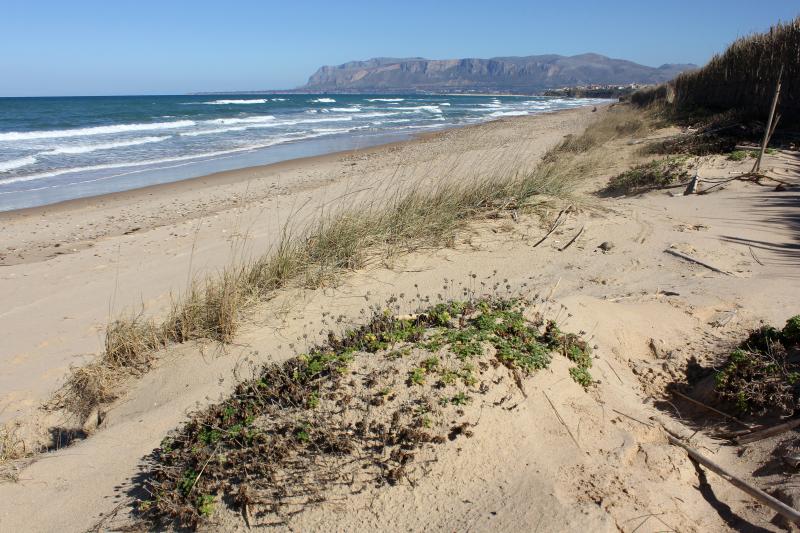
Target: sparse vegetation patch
column 365, row 409
column 762, row 376
column 649, row 176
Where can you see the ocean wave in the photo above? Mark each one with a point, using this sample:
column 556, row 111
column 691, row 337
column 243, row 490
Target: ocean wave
column 429, row 108
column 323, row 101
column 265, row 124
column 237, row 102
column 354, row 109
column 96, row 130
column 17, row 163
column 133, row 164
column 278, row 99
column 386, row 99
column 379, row 114
column 246, row 120
column 86, row 148
column 508, row 113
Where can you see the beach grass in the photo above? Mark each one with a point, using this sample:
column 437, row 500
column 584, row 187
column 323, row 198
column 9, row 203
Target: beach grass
column 340, row 240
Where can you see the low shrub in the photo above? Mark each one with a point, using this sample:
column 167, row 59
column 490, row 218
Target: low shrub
column 762, row 376
column 652, row 175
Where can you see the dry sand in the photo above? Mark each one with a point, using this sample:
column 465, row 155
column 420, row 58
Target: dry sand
column 521, row 471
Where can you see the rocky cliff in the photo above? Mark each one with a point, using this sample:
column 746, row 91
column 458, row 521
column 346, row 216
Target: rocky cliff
column 531, row 73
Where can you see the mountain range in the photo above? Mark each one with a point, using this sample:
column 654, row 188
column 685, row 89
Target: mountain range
column 498, row 74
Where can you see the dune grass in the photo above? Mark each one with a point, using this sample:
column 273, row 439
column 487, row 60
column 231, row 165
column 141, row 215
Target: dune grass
column 340, row 240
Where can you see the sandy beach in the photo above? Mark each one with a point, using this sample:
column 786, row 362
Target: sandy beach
column 76, row 264
column 561, row 457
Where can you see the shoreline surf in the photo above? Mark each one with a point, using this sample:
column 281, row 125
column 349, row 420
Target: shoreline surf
column 45, row 165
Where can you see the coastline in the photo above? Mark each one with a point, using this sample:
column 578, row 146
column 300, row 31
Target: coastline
column 195, row 187
column 240, row 174
column 78, row 264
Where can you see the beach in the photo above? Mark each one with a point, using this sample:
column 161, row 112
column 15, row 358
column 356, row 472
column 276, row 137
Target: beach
column 77, row 264
column 537, row 449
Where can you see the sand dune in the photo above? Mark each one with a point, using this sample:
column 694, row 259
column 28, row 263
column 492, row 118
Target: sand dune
column 564, row 459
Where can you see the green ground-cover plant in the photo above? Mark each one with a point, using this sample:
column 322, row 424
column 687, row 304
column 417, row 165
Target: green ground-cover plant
column 762, row 375
column 344, row 416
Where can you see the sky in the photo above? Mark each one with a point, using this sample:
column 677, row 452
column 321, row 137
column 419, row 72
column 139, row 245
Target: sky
column 93, row 47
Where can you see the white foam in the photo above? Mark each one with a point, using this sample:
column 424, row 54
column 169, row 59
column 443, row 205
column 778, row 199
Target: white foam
column 386, row 99
column 354, row 109
column 508, row 113
column 379, row 114
column 429, row 108
column 17, row 163
column 97, row 130
column 87, row 148
column 279, row 99
column 237, row 102
column 266, row 124
column 133, row 164
column 323, row 101
column 246, row 120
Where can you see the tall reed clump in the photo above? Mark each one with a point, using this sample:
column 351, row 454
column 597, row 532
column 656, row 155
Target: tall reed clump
column 340, row 240
column 745, row 75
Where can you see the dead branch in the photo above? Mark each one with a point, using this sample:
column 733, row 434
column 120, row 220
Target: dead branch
column 709, row 408
column 695, row 260
column 767, row 432
column 773, row 503
column 558, row 416
column 572, row 240
column 555, row 225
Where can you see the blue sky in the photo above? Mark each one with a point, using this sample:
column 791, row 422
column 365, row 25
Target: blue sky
column 88, row 47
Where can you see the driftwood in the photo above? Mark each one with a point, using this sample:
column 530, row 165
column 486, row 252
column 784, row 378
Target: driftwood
column 572, row 240
column 771, row 502
column 708, row 407
column 555, row 225
column 767, row 432
column 691, row 259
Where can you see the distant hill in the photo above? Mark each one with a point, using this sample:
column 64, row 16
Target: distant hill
column 498, row 74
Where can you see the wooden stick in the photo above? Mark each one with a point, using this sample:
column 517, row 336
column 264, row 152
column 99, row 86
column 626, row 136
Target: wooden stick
column 572, row 240
column 720, row 413
column 768, row 129
column 694, row 260
column 768, row 432
column 754, row 256
column 773, row 503
column 562, row 421
column 632, row 418
column 555, row 225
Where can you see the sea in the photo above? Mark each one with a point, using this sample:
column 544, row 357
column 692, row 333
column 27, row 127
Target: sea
column 63, row 148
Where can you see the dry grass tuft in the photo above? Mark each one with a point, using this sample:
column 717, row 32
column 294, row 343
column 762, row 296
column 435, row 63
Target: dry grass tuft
column 341, row 240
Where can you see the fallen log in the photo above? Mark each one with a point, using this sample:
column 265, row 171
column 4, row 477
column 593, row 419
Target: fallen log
column 773, row 503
